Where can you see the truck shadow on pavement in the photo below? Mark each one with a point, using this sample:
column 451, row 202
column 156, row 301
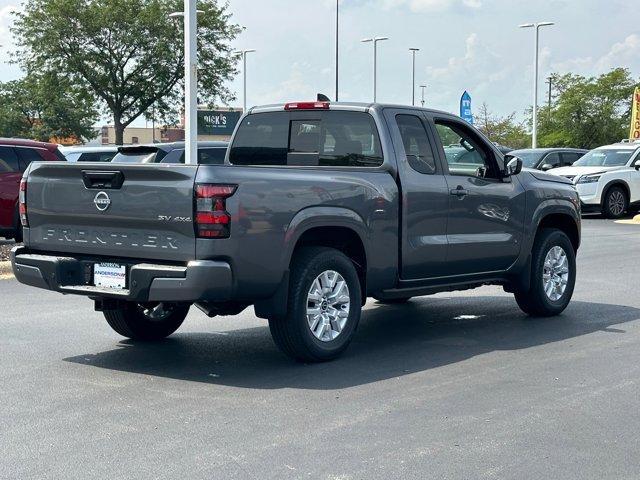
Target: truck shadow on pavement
column 391, row 341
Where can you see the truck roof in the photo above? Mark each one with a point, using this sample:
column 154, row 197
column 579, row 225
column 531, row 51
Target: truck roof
column 349, row 106
column 21, row 142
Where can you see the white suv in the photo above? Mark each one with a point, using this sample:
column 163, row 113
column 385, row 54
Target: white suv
column 607, row 178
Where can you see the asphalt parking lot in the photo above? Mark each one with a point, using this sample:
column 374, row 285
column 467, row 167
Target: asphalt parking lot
column 454, row 386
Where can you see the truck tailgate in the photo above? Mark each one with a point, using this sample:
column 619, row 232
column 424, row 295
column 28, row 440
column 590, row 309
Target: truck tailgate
column 112, row 210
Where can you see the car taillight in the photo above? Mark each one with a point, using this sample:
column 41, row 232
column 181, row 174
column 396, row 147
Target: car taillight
column 211, row 217
column 307, row 106
column 22, row 203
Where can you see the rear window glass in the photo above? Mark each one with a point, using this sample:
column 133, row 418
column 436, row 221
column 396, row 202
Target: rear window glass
column 134, row 155
column 340, row 139
column 211, row 156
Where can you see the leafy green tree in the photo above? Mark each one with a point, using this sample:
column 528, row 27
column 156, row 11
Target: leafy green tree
column 587, row 112
column 127, row 53
column 42, row 107
column 503, row 130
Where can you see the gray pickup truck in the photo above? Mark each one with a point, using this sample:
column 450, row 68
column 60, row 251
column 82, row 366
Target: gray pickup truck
column 318, row 207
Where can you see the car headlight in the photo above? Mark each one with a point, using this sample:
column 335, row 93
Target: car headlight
column 589, row 179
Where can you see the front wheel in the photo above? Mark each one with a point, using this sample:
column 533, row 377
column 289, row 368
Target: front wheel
column 553, row 275
column 615, row 202
column 324, row 306
column 147, row 321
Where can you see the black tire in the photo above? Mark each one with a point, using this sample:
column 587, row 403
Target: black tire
column 394, row 301
column 615, row 202
column 536, row 302
column 132, row 322
column 292, row 333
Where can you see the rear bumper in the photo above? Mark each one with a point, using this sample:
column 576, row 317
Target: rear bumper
column 199, row 280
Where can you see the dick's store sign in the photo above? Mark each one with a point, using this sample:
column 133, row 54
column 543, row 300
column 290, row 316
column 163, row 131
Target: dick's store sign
column 217, row 122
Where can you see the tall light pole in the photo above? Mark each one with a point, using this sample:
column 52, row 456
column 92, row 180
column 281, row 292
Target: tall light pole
column 413, row 75
column 190, row 80
column 337, row 44
column 375, row 41
column 537, row 26
column 423, row 87
column 243, row 53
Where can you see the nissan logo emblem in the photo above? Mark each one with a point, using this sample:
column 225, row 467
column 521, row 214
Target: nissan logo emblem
column 102, row 201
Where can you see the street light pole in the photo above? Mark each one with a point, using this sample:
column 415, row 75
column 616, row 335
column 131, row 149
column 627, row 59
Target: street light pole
column 375, row 41
column 190, row 82
column 423, row 87
column 413, row 75
column 337, row 43
column 243, row 53
column 534, row 134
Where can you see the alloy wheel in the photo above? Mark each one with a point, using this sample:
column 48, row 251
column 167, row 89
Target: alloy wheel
column 328, row 303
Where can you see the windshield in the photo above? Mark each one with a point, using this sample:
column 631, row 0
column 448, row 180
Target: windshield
column 605, row 157
column 530, row 158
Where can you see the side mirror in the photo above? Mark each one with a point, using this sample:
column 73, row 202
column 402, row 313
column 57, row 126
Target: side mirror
column 512, row 165
column 546, row 166
column 636, row 165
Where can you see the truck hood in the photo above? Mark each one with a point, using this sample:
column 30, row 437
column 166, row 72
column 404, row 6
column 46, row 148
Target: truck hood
column 540, row 175
column 580, row 171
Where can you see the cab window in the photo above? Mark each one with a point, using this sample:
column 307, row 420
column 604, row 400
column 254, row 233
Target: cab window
column 464, row 151
column 416, row 144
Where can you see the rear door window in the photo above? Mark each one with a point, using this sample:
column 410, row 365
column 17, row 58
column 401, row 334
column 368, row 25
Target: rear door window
column 323, row 138
column 9, row 160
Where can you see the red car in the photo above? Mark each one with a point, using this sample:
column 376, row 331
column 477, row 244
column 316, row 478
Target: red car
column 15, row 156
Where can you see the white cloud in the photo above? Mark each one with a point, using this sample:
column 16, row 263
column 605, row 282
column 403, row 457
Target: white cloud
column 6, row 43
column 621, row 54
column 294, row 88
column 431, row 5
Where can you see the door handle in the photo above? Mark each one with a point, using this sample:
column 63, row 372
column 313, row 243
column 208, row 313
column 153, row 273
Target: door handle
column 459, row 192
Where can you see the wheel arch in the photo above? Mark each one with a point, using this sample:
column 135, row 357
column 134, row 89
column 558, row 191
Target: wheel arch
column 334, row 227
column 618, row 182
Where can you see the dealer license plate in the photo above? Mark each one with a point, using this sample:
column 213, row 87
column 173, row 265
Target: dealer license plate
column 110, row 275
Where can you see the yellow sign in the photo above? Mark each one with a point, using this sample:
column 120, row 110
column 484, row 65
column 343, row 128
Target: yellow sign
column 634, row 133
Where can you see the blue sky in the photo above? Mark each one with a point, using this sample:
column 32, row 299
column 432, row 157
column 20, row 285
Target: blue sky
column 465, row 44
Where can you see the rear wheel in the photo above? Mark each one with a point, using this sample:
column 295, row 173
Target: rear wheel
column 553, row 275
column 147, row 321
column 615, row 202
column 324, row 306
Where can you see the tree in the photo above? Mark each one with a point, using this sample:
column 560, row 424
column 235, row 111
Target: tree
column 503, row 130
column 126, row 53
column 42, row 107
column 587, row 112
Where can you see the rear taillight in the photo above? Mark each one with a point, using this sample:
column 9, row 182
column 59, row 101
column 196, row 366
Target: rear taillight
column 211, row 217
column 22, row 203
